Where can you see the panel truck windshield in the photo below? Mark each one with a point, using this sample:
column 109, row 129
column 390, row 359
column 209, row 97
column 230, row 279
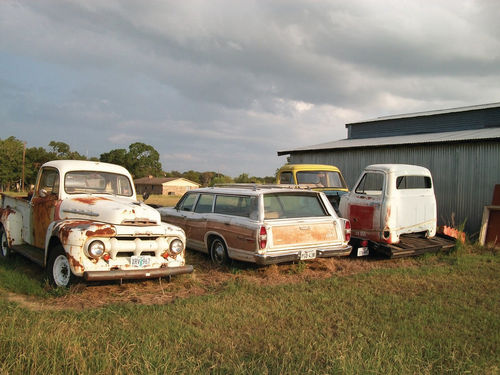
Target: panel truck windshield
column 292, row 205
column 320, row 179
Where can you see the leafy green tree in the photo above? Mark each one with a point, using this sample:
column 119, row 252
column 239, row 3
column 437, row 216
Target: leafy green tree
column 221, row 179
column 61, row 150
column 193, row 176
column 206, row 178
column 243, row 178
column 144, row 160
column 141, row 160
column 118, row 156
column 35, row 157
column 11, row 162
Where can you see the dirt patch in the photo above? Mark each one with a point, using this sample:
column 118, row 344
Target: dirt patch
column 206, row 278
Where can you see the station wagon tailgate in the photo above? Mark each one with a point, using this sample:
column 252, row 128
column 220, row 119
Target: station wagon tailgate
column 287, row 233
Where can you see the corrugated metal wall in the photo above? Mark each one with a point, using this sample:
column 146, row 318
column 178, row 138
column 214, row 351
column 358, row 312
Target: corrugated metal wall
column 464, row 173
column 454, row 121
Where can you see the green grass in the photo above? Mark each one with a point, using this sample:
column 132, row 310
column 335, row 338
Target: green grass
column 162, row 200
column 437, row 318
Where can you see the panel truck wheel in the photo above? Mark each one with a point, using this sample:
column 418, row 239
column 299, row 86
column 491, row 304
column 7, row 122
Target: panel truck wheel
column 218, row 252
column 5, row 252
column 58, row 268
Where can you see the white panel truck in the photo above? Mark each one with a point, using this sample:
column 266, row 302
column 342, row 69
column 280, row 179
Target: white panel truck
column 392, row 209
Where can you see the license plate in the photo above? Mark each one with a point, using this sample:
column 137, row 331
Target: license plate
column 307, row 254
column 140, row 261
column 363, row 251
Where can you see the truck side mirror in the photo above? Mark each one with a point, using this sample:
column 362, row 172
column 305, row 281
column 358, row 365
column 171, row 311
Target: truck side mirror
column 42, row 193
column 145, row 196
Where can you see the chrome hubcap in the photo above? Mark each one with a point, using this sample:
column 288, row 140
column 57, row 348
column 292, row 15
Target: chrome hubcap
column 218, row 252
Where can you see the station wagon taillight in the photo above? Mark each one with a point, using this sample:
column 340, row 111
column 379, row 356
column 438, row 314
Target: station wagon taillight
column 347, row 230
column 262, row 238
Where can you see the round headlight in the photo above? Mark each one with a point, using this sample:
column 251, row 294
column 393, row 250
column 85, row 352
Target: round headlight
column 96, row 249
column 176, row 247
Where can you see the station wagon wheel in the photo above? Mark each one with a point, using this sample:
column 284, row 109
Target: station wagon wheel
column 58, row 268
column 4, row 244
column 218, row 252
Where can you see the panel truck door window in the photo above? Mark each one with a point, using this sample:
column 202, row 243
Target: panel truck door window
column 365, row 207
column 44, row 204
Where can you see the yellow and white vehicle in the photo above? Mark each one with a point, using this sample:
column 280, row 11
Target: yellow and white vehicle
column 319, row 177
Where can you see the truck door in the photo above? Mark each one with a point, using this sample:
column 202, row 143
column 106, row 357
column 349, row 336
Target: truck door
column 416, row 205
column 43, row 205
column 365, row 203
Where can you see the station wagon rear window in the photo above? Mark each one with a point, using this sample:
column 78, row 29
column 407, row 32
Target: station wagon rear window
column 290, row 205
column 413, row 182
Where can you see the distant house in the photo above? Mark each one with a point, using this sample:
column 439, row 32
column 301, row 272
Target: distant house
column 164, row 185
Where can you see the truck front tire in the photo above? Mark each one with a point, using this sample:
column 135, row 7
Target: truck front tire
column 58, row 268
column 4, row 244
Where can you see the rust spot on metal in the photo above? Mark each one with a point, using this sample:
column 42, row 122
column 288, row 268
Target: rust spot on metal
column 43, row 214
column 66, row 227
column 105, row 231
column 92, row 229
column 90, row 200
column 388, row 214
column 75, row 263
column 5, row 212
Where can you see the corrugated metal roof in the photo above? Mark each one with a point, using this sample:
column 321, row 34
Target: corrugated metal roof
column 430, row 113
column 444, row 137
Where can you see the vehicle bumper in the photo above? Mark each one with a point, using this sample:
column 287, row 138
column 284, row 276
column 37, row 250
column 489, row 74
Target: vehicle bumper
column 136, row 274
column 266, row 259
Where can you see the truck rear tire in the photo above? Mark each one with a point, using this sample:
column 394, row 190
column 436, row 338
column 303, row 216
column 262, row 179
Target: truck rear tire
column 5, row 251
column 58, row 268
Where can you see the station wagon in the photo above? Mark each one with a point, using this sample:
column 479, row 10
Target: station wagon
column 260, row 224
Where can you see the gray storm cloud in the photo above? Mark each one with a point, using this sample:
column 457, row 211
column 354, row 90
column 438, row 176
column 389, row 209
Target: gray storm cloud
column 223, row 85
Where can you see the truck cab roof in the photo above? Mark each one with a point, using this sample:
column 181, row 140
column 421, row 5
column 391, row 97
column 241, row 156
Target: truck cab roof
column 406, row 169
column 71, row 165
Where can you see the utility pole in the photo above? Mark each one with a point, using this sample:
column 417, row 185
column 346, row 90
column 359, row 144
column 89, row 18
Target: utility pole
column 24, row 158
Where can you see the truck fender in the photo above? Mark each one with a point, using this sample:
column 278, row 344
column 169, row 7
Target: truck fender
column 72, row 235
column 12, row 222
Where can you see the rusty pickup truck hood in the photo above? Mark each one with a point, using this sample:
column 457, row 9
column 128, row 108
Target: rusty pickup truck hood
column 109, row 209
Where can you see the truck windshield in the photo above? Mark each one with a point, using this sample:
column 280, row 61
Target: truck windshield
column 93, row 182
column 291, row 205
column 321, row 179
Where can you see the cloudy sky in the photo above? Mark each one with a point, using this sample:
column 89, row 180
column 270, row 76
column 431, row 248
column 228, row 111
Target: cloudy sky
column 223, row 85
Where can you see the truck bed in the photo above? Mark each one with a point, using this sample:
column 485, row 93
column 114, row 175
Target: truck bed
column 411, row 245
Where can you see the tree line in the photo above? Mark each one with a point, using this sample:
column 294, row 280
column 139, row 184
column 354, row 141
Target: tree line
column 140, row 159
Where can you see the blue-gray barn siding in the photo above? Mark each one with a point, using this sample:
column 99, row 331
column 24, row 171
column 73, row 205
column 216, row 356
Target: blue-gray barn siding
column 464, row 173
column 454, row 121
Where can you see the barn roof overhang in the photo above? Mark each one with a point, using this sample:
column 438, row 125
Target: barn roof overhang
column 476, row 135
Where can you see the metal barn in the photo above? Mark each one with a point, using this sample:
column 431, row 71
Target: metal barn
column 460, row 146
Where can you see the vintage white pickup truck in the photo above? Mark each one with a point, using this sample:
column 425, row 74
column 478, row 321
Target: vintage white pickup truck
column 84, row 220
column 392, row 209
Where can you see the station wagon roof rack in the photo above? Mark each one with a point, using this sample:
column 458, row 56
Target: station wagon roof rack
column 263, row 186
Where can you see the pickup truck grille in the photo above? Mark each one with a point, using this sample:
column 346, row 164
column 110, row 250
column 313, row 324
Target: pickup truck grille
column 125, row 248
